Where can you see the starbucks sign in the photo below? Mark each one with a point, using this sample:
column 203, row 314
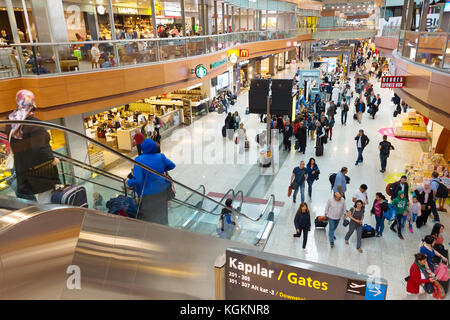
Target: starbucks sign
column 201, row 71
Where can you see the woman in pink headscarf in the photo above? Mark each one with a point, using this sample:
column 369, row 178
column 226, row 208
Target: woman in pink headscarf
column 34, row 163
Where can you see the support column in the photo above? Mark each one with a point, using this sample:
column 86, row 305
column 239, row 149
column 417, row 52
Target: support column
column 232, row 20
column 240, row 17
column 228, row 17
column 216, row 31
column 155, row 33
column 77, row 148
column 410, row 15
column 224, row 29
column 248, row 25
column 276, row 21
column 423, row 15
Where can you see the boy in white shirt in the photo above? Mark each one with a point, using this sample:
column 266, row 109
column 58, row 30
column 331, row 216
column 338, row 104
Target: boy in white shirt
column 361, row 194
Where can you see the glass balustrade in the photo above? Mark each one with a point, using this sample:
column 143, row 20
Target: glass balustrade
column 428, row 48
column 50, row 58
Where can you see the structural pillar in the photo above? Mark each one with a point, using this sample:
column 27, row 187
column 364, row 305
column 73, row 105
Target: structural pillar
column 423, row 15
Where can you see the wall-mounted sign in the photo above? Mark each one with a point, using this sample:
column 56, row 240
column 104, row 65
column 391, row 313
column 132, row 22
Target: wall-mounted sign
column 101, row 9
column 244, row 53
column 201, row 71
column 252, row 275
column 233, row 58
column 244, row 62
column 392, row 82
column 218, row 63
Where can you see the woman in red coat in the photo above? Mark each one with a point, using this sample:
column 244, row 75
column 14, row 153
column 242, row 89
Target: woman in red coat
column 415, row 275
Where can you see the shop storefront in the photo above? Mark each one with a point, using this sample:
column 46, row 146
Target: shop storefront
column 118, row 126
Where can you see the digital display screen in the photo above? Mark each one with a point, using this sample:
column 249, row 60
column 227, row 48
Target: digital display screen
column 222, row 81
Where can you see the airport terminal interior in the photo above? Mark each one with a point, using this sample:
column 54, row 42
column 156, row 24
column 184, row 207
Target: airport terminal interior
column 220, row 150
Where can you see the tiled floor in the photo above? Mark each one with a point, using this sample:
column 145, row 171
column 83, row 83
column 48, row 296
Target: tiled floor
column 389, row 256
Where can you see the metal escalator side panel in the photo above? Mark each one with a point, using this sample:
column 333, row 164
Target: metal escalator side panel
column 36, row 252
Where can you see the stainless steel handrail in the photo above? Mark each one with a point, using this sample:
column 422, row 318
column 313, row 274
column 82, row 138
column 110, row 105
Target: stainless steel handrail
column 120, row 155
column 190, row 196
column 262, row 239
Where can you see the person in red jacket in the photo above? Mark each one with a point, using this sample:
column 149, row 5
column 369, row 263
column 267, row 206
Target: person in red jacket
column 138, row 139
column 415, row 278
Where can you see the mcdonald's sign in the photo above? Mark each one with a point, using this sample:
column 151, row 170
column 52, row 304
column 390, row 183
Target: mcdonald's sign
column 244, row 53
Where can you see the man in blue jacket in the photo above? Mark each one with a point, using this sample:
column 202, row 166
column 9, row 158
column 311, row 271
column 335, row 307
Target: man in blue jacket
column 152, row 189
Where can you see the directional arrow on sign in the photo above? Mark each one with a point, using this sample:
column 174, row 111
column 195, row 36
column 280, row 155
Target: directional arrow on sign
column 377, row 291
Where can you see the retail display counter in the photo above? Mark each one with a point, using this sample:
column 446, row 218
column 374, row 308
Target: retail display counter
column 410, row 125
column 421, row 171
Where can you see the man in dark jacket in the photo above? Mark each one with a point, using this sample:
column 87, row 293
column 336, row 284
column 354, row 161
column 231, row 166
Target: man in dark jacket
column 361, row 142
column 397, row 186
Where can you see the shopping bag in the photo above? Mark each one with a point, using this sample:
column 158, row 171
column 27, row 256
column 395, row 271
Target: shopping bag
column 289, row 191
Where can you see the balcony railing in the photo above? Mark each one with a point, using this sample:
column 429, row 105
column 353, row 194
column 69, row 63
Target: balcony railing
column 390, row 32
column 31, row 59
column 428, row 48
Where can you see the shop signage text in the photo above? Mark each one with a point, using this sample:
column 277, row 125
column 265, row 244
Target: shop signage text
column 233, row 58
column 249, row 276
column 218, row 63
column 392, row 81
column 127, row 10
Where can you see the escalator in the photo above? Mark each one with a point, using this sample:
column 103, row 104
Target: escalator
column 191, row 210
column 118, row 257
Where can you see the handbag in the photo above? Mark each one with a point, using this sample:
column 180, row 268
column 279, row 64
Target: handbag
column 294, row 185
column 346, row 222
column 42, row 177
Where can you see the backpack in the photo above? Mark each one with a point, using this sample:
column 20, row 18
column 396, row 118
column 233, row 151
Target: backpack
column 391, row 213
column 332, row 178
column 442, row 191
column 346, row 107
column 368, row 231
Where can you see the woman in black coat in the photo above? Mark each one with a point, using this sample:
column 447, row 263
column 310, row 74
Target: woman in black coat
column 34, row 162
column 300, row 135
column 302, row 223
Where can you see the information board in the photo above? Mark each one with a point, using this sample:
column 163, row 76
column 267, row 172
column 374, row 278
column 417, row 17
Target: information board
column 392, row 81
column 258, row 275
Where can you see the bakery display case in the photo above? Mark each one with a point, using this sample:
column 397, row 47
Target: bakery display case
column 410, row 125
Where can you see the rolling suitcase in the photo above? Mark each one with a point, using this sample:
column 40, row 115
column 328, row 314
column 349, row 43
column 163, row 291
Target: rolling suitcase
column 319, row 150
column 70, row 195
column 321, row 222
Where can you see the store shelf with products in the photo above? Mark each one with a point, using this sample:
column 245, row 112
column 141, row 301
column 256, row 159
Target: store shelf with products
column 421, row 171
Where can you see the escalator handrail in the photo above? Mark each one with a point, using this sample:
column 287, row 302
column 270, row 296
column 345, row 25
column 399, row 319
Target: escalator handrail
column 120, row 155
column 89, row 167
column 186, row 200
column 271, row 199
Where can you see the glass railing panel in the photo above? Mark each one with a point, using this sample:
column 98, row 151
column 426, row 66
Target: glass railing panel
column 9, row 63
column 39, row 59
column 172, row 49
column 212, row 44
column 446, row 64
column 401, row 41
column 431, row 48
column 410, row 45
column 136, row 52
column 196, row 46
